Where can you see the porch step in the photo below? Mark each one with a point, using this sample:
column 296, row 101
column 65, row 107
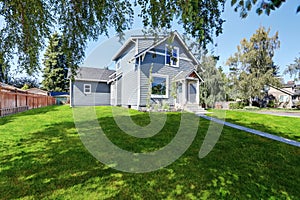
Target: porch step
column 194, row 108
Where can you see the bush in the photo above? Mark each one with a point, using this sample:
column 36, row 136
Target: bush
column 251, row 108
column 271, row 104
column 298, row 105
column 238, row 105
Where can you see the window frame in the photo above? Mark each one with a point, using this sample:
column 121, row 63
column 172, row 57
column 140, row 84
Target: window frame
column 283, row 98
column 172, row 48
column 167, row 86
column 85, row 88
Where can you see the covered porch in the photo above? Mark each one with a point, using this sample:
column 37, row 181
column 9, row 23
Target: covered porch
column 187, row 88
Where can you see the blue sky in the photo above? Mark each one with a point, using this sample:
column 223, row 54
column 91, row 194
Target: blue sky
column 284, row 20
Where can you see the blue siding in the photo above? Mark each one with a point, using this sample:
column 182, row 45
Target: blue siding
column 100, row 94
column 159, row 67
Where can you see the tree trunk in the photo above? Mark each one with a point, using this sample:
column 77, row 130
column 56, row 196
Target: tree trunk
column 250, row 101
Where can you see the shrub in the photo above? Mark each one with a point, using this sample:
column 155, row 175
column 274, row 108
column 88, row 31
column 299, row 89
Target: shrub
column 298, row 105
column 238, row 105
column 251, row 108
column 271, row 104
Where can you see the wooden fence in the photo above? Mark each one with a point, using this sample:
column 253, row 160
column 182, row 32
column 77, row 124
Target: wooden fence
column 16, row 100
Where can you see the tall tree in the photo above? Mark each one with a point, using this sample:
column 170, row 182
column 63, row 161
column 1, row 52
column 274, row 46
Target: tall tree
column 24, row 81
column 56, row 66
column 253, row 64
column 213, row 88
column 294, row 69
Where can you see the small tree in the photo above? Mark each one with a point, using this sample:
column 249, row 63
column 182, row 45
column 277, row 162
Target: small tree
column 150, row 80
column 56, row 67
column 212, row 89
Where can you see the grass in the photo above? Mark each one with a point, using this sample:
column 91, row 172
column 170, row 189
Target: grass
column 42, row 157
column 287, row 127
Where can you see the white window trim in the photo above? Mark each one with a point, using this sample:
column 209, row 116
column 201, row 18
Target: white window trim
column 84, row 88
column 166, row 50
column 285, row 98
column 167, row 86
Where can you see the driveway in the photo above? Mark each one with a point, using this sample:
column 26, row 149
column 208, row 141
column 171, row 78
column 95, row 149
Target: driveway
column 281, row 113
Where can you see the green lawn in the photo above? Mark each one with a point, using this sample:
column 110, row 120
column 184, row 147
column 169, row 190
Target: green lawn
column 288, row 127
column 42, row 157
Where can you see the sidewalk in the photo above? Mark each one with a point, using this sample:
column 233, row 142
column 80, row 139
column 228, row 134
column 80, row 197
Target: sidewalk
column 253, row 131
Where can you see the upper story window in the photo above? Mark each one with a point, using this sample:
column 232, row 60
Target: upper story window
column 172, row 56
column 160, row 86
column 87, row 88
column 118, row 64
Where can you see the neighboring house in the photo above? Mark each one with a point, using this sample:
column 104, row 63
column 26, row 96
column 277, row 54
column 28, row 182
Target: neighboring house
column 287, row 96
column 38, row 91
column 60, row 97
column 149, row 70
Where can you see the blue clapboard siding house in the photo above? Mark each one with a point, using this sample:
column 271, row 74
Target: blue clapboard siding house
column 148, row 70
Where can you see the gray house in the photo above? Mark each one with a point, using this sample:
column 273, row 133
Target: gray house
column 149, row 70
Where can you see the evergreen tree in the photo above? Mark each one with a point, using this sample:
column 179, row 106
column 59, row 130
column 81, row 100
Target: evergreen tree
column 56, row 67
column 24, row 81
column 253, row 64
column 4, row 69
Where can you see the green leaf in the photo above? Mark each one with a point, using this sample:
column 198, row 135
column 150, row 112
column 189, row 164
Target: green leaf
column 298, row 9
column 233, row 2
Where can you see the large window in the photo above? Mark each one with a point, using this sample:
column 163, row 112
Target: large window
column 87, row 88
column 283, row 98
column 172, row 56
column 159, row 86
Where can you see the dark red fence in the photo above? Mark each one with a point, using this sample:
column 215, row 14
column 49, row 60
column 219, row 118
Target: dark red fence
column 16, row 100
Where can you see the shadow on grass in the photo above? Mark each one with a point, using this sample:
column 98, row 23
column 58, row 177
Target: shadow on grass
column 59, row 162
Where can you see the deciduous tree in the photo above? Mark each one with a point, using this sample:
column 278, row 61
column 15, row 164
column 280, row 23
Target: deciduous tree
column 253, row 64
column 294, row 69
column 26, row 24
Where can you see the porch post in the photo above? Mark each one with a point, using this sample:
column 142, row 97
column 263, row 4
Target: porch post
column 197, row 91
column 184, row 92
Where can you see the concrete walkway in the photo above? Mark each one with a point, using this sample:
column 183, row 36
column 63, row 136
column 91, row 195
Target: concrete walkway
column 256, row 132
column 281, row 113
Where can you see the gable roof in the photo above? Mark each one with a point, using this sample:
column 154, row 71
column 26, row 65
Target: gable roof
column 187, row 74
column 37, row 91
column 282, row 90
column 93, row 74
column 162, row 39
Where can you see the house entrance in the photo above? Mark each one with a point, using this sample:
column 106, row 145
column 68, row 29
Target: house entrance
column 192, row 92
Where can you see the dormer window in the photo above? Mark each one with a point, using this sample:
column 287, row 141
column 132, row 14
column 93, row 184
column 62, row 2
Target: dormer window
column 172, row 56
